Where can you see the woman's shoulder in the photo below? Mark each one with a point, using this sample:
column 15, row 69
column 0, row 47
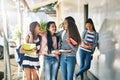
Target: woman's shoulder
column 43, row 34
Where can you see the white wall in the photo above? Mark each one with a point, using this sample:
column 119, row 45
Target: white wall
column 106, row 17
column 74, row 9
column 107, row 20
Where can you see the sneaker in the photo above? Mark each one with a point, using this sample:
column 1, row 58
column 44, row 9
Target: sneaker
column 74, row 77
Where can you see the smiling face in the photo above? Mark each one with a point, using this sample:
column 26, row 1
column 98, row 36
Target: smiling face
column 52, row 28
column 37, row 29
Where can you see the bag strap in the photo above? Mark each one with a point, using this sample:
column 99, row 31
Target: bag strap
column 40, row 38
column 57, row 41
column 63, row 33
column 84, row 33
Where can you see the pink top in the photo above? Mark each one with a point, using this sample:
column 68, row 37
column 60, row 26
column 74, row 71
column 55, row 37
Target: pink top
column 44, row 47
column 54, row 42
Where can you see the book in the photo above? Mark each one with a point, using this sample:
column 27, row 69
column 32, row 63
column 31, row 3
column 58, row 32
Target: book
column 29, row 46
column 72, row 41
column 62, row 51
column 65, row 51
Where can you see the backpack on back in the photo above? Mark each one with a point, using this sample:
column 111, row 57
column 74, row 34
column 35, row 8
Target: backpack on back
column 19, row 56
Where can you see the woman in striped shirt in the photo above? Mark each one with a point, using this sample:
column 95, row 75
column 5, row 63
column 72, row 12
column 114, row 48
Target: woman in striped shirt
column 30, row 63
column 89, row 42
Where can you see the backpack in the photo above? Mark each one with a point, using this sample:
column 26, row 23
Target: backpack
column 19, row 56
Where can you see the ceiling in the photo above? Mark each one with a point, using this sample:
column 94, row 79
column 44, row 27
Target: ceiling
column 33, row 4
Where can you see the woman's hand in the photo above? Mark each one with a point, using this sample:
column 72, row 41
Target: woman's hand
column 40, row 53
column 87, row 46
column 29, row 38
column 90, row 46
column 31, row 51
column 27, row 52
column 68, row 40
column 43, row 33
column 57, row 52
column 30, row 34
column 34, row 50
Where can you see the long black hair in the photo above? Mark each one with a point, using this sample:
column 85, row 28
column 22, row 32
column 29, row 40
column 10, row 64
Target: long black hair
column 32, row 28
column 49, row 36
column 73, row 30
column 89, row 20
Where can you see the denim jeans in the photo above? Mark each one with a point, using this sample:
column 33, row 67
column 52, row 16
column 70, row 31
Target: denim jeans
column 51, row 68
column 67, row 64
column 85, row 62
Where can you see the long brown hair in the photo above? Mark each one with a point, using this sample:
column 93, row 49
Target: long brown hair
column 73, row 30
column 32, row 28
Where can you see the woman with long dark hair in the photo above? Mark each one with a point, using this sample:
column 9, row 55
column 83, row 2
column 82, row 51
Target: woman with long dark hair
column 70, row 40
column 30, row 63
column 89, row 42
column 50, row 46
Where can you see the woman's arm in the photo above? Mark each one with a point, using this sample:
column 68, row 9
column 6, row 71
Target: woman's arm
column 59, row 33
column 43, row 45
column 29, row 38
column 96, row 43
column 87, row 46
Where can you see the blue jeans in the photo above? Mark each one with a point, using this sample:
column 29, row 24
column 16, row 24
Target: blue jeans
column 67, row 64
column 85, row 62
column 51, row 68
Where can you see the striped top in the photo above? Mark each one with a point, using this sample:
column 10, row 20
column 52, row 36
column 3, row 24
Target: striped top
column 89, row 40
column 32, row 61
column 37, row 42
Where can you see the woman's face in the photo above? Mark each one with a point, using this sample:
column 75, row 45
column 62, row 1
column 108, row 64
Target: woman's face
column 65, row 24
column 52, row 28
column 89, row 26
column 37, row 29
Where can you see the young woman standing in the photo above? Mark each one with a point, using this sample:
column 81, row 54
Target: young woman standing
column 50, row 46
column 89, row 42
column 68, row 56
column 30, row 63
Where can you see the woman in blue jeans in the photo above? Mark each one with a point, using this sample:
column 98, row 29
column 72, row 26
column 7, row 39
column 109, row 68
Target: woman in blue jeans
column 49, row 48
column 69, row 48
column 89, row 42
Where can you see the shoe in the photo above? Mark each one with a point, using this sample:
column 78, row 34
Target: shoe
column 74, row 77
